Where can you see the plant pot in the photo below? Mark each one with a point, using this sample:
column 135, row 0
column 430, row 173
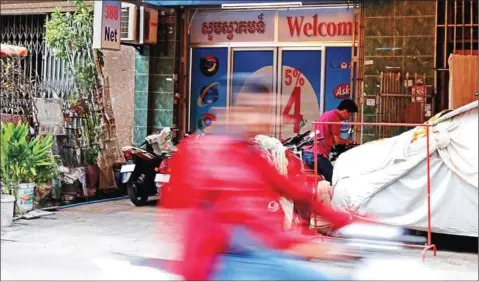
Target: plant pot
column 8, row 205
column 93, row 172
column 25, row 197
column 42, row 194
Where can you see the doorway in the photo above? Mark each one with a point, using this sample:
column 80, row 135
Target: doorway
column 294, row 77
column 304, row 81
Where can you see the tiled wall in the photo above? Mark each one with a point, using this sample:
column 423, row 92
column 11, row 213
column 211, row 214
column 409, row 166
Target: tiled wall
column 154, row 85
column 140, row 123
column 409, row 25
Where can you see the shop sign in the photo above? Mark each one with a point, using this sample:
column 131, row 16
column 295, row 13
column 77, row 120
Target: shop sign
column 106, row 25
column 221, row 27
column 342, row 91
column 419, row 92
column 325, row 24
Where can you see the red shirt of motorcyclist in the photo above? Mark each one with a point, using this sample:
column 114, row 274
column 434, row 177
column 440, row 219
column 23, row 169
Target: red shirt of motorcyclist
column 225, row 182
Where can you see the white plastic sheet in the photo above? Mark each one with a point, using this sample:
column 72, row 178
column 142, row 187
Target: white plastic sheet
column 391, row 182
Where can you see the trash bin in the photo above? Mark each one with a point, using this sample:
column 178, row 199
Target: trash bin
column 8, row 204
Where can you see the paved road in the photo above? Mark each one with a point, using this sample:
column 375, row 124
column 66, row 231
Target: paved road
column 67, row 244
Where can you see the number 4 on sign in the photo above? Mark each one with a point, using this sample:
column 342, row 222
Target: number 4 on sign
column 296, row 117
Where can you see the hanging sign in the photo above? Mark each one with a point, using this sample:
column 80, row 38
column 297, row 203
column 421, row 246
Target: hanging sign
column 222, row 27
column 106, row 25
column 419, row 93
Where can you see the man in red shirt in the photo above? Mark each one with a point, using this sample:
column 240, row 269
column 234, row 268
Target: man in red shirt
column 234, row 227
column 331, row 134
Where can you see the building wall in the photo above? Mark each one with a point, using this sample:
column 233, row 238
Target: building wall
column 154, row 85
column 409, row 25
column 142, row 63
column 119, row 68
column 20, row 7
column 161, row 84
column 119, row 65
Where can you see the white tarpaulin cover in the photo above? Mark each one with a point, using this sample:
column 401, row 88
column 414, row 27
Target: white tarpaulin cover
column 387, row 177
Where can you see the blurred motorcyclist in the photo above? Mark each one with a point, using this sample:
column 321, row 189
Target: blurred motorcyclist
column 234, row 227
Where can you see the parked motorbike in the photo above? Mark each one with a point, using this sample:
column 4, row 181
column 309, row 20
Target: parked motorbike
column 138, row 173
column 291, row 141
column 162, row 177
column 340, row 148
column 299, row 175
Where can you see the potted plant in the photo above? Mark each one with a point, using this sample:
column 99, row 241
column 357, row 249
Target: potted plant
column 90, row 134
column 21, row 158
column 8, row 207
column 93, row 170
column 45, row 180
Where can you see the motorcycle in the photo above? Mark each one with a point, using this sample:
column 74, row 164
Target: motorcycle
column 308, row 178
column 292, row 141
column 340, row 148
column 369, row 251
column 138, row 173
column 299, row 175
column 162, row 177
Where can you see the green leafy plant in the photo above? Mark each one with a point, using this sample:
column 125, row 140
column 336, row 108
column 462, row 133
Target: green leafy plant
column 69, row 35
column 91, row 132
column 21, row 157
column 91, row 155
column 46, row 174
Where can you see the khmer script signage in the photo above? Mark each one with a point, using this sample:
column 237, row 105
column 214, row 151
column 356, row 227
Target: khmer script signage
column 239, row 26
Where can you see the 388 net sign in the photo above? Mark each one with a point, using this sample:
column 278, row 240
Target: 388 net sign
column 106, row 25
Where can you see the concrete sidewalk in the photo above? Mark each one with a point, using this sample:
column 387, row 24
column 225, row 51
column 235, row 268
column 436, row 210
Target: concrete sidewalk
column 65, row 245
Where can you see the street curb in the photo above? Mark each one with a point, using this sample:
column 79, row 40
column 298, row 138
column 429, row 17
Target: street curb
column 56, row 208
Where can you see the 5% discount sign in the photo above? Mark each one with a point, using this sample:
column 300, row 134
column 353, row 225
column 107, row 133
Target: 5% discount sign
column 292, row 111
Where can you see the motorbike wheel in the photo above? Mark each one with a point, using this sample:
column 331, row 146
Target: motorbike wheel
column 137, row 200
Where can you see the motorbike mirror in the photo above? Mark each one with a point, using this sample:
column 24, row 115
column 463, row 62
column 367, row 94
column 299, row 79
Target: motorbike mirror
column 302, row 123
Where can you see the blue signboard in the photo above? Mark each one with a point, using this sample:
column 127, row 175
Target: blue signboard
column 338, row 76
column 301, row 88
column 208, row 86
column 255, row 64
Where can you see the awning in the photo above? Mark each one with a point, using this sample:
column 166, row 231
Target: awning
column 218, row 3
column 12, row 51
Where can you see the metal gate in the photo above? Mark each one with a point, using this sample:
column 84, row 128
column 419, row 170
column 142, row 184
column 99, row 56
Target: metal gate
column 457, row 33
column 400, row 100
column 40, row 65
column 21, row 74
column 49, row 74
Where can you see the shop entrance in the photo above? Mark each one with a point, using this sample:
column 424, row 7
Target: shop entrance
column 293, row 75
column 305, row 81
